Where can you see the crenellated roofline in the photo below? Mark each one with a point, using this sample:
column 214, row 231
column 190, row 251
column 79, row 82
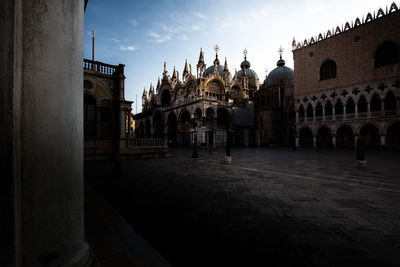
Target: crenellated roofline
column 346, row 27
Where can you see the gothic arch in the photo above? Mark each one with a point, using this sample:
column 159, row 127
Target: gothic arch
column 324, row 136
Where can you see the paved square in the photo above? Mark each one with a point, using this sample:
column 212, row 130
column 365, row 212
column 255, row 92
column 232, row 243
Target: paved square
column 270, row 207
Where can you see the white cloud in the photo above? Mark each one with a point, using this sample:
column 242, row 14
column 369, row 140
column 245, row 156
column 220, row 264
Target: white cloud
column 196, row 27
column 200, row 15
column 134, row 22
column 128, row 48
column 242, row 26
column 224, row 25
column 260, row 13
column 183, row 37
column 159, row 38
column 115, row 40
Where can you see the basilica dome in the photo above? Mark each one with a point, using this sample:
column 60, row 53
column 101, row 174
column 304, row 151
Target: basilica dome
column 210, row 69
column 253, row 77
column 280, row 75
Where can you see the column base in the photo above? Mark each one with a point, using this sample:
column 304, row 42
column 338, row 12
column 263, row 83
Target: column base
column 360, row 163
column 84, row 258
column 227, row 159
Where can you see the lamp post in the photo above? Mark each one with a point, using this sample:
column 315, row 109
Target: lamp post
column 195, row 155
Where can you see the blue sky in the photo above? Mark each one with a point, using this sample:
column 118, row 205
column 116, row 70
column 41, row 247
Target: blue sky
column 144, row 34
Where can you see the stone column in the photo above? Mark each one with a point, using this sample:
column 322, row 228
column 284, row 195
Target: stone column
column 122, row 123
column 313, row 114
column 334, row 141
column 297, row 117
column 333, row 113
column 258, row 139
column 314, row 141
column 356, row 111
column 42, row 49
column 382, row 107
column 383, row 141
column 297, row 141
column 355, row 141
column 214, row 137
column 369, row 110
column 323, row 114
column 344, row 112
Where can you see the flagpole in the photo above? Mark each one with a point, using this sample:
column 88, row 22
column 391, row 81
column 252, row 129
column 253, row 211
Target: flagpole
column 93, row 50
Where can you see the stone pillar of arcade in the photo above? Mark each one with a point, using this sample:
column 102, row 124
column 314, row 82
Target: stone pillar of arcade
column 41, row 214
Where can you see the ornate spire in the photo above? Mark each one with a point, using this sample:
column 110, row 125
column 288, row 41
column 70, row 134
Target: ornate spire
column 280, row 62
column 158, row 82
column 293, row 44
column 151, row 91
column 165, row 69
column 144, row 92
column 174, row 74
column 216, row 49
column 201, row 57
column 245, row 64
column 185, row 70
column 226, row 65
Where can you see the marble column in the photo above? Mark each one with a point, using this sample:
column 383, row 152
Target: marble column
column 42, row 47
column 314, row 141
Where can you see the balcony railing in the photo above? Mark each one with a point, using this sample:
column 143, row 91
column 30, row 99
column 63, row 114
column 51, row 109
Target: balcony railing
column 350, row 116
column 318, row 118
column 328, row 117
column 99, row 67
column 363, row 115
column 339, row 117
column 375, row 114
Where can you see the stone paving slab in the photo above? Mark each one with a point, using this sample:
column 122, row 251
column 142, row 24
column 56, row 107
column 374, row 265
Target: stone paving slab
column 270, row 207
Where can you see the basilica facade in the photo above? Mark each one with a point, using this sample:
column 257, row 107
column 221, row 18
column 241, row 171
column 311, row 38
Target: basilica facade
column 205, row 105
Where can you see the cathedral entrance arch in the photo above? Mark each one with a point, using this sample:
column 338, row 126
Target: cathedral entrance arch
column 184, row 128
column 324, row 137
column 172, row 129
column 158, row 125
column 344, row 137
column 369, row 133
column 306, row 139
column 393, row 136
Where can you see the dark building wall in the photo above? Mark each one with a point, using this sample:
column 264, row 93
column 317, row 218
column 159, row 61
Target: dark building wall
column 352, row 50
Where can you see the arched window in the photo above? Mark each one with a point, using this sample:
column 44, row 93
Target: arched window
column 390, row 101
column 327, row 70
column 328, row 108
column 301, row 112
column 386, row 54
column 375, row 103
column 339, row 107
column 309, row 111
column 350, row 106
column 362, row 105
column 318, row 110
